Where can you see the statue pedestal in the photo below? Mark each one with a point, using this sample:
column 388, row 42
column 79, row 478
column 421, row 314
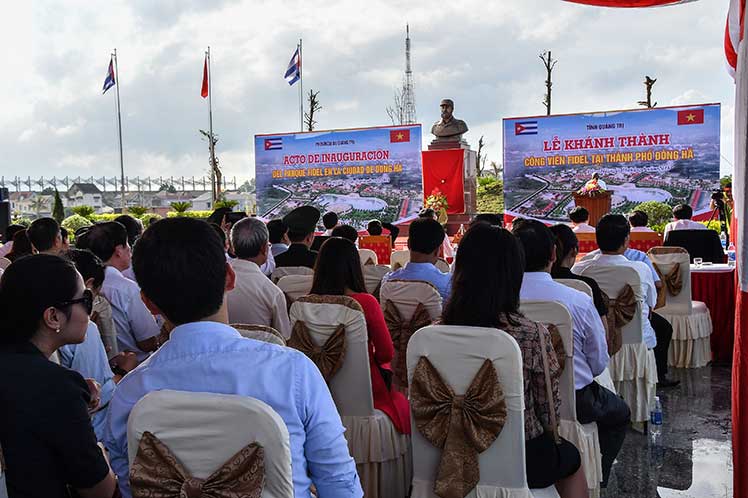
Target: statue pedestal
column 452, row 170
column 598, row 206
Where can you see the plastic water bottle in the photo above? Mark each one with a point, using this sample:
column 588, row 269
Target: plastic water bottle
column 723, row 239
column 731, row 255
column 655, row 421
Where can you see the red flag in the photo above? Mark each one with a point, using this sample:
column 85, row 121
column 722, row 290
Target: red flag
column 630, row 3
column 204, row 90
column 691, row 116
column 442, row 169
column 399, row 135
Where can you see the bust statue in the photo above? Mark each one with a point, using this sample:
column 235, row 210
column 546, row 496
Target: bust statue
column 449, row 128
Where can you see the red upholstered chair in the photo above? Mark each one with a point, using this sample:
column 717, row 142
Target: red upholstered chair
column 380, row 244
column 644, row 241
column 587, row 242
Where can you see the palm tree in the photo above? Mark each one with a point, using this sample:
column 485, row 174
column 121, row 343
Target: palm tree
column 37, row 204
column 181, row 206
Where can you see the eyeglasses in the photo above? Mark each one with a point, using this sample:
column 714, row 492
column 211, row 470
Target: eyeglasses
column 86, row 301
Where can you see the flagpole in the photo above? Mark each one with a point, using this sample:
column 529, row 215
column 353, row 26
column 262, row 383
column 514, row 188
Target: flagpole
column 301, row 90
column 215, row 188
column 119, row 132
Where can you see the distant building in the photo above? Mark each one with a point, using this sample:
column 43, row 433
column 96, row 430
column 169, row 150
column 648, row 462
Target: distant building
column 85, row 194
column 246, row 202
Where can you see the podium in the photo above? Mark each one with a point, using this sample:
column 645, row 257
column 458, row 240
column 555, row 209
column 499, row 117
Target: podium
column 451, row 168
column 598, row 205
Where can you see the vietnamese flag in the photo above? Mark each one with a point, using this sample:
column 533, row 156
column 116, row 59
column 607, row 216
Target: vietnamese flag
column 691, row 116
column 630, row 3
column 399, row 136
column 204, row 89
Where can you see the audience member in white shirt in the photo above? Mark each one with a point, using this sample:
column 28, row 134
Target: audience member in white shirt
column 137, row 329
column 682, row 214
column 638, row 221
column 255, row 300
column 580, row 218
column 278, row 233
column 330, row 221
column 45, row 236
column 613, row 239
column 134, row 229
column 594, row 402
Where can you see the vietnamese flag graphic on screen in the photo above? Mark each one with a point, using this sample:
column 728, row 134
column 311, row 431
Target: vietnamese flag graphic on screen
column 399, row 136
column 691, row 116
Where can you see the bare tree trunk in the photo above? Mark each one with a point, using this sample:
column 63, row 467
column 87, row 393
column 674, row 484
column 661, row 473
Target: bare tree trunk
column 396, row 112
column 314, row 106
column 480, row 159
column 549, row 64
column 648, row 84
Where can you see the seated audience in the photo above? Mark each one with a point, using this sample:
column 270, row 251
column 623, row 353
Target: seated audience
column 267, row 267
column 682, row 213
column 255, row 300
column 580, row 218
column 376, row 227
column 137, row 330
column 338, row 273
column 489, row 219
column 639, row 221
column 134, row 229
column 8, row 238
column 46, row 436
column 424, row 240
column 89, row 358
column 594, row 402
column 301, row 223
column 567, row 249
column 44, row 235
column 346, row 232
column 487, row 280
column 278, row 232
column 184, row 275
column 446, row 251
column 330, row 221
column 21, row 246
column 613, row 240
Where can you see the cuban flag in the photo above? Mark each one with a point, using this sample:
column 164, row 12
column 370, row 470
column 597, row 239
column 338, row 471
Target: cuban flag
column 273, row 144
column 109, row 81
column 526, row 128
column 293, row 73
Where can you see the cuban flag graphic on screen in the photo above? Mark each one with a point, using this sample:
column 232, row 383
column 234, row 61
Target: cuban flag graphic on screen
column 526, row 128
column 273, row 144
column 293, row 73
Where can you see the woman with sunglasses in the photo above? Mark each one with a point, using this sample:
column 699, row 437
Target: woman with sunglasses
column 46, row 436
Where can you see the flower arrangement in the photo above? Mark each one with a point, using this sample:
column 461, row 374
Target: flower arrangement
column 437, row 201
column 592, row 189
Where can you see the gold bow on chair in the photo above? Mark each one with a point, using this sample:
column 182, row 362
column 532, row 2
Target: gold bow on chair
column 558, row 345
column 462, row 426
column 156, row 473
column 401, row 331
column 621, row 311
column 673, row 279
column 328, row 357
column 369, row 262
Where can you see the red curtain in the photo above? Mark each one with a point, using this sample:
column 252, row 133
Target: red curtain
column 442, row 169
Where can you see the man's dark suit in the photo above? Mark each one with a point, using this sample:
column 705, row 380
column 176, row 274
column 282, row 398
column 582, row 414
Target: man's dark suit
column 296, row 255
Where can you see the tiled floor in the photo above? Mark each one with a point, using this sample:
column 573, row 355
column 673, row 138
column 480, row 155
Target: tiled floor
column 694, row 458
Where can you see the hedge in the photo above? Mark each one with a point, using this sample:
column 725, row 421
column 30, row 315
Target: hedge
column 202, row 215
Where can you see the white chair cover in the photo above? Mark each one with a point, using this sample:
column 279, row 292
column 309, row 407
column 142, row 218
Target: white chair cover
column 290, row 270
column 458, row 353
column 576, row 285
column 442, row 265
column 368, row 257
column 381, row 453
column 399, row 259
column 406, row 295
column 633, row 368
column 584, row 437
column 373, row 276
column 295, row 286
column 692, row 324
column 260, row 333
column 204, row 430
column 4, row 263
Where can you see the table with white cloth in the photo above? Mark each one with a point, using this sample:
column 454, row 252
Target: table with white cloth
column 714, row 285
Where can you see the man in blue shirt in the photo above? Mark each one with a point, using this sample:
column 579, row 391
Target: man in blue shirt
column 184, row 275
column 425, row 237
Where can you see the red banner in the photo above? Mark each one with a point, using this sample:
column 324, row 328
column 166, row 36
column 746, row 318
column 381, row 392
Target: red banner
column 629, row 3
column 442, row 169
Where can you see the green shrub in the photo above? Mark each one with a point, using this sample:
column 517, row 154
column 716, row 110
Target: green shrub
column 490, row 195
column 85, row 211
column 137, row 211
column 22, row 221
column 190, row 214
column 147, row 217
column 659, row 213
column 98, row 218
column 73, row 223
column 181, row 206
column 223, row 203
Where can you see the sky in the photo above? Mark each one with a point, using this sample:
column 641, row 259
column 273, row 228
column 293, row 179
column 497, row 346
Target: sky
column 483, row 55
